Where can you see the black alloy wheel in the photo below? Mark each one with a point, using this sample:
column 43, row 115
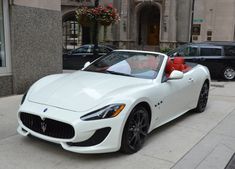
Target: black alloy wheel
column 229, row 73
column 203, row 98
column 135, row 130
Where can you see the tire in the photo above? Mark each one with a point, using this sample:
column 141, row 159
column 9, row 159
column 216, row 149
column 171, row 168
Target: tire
column 203, row 98
column 229, row 73
column 135, row 130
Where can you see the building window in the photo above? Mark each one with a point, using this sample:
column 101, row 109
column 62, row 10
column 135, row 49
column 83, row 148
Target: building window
column 5, row 62
column 2, row 37
column 71, row 33
column 74, row 35
column 195, row 38
column 196, row 30
column 209, row 35
column 234, row 34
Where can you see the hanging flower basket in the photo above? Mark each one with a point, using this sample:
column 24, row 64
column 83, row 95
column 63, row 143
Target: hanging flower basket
column 108, row 15
column 84, row 20
column 103, row 15
column 104, row 22
column 84, row 16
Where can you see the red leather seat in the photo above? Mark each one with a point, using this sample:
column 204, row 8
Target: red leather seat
column 169, row 67
column 178, row 63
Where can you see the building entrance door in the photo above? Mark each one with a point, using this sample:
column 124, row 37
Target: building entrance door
column 153, row 34
column 148, row 26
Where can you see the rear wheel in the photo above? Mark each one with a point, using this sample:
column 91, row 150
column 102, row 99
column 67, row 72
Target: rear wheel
column 229, row 73
column 203, row 98
column 135, row 130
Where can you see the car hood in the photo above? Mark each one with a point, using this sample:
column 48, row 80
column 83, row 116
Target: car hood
column 81, row 91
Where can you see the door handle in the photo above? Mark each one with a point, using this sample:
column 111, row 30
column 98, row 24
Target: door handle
column 190, row 79
column 202, row 59
column 195, row 59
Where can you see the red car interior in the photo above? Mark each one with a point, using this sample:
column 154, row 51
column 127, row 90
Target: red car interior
column 169, row 67
column 177, row 64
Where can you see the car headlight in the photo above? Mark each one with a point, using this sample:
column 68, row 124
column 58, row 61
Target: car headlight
column 106, row 112
column 23, row 98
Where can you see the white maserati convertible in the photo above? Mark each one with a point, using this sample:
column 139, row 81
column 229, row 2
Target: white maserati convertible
column 114, row 102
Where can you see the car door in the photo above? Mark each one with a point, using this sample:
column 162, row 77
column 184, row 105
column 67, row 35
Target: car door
column 82, row 56
column 91, row 57
column 211, row 58
column 174, row 98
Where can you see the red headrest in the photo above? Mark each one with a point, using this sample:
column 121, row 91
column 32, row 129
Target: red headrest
column 169, row 66
column 178, row 60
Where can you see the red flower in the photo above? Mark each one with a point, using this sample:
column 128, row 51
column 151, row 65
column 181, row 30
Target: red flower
column 105, row 15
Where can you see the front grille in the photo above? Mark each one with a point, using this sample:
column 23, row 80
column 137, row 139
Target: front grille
column 48, row 127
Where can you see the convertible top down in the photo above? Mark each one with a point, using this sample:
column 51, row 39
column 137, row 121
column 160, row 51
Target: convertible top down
column 114, row 102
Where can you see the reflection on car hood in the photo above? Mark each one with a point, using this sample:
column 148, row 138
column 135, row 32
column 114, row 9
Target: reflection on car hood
column 81, row 91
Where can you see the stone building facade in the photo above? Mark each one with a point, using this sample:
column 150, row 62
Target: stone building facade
column 154, row 24
column 30, row 43
column 144, row 24
column 214, row 20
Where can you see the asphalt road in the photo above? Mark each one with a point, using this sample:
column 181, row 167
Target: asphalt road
column 204, row 141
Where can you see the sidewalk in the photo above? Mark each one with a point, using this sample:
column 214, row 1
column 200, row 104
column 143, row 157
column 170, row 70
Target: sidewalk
column 216, row 148
column 200, row 141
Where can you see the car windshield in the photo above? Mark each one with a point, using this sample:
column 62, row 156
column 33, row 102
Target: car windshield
column 133, row 64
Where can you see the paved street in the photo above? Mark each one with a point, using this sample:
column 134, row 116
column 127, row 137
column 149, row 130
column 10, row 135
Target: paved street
column 201, row 141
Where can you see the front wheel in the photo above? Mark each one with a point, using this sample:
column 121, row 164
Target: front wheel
column 203, row 98
column 135, row 130
column 229, row 73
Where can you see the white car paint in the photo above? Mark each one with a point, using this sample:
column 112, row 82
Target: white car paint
column 70, row 96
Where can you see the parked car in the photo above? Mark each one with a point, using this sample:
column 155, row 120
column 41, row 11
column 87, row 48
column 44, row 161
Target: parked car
column 219, row 57
column 75, row 59
column 114, row 102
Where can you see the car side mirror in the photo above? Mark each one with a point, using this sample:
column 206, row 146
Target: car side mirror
column 176, row 75
column 175, row 54
column 86, row 65
column 70, row 53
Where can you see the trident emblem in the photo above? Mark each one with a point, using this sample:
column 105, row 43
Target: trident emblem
column 43, row 126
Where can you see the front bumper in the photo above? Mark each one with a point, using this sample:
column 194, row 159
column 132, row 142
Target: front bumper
column 98, row 136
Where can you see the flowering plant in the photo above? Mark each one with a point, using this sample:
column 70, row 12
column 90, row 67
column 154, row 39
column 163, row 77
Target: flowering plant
column 107, row 15
column 84, row 16
column 104, row 15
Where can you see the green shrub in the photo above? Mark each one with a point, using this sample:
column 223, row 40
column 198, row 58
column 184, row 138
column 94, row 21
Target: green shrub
column 165, row 50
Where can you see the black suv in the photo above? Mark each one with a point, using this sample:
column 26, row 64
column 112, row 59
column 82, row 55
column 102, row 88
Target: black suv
column 219, row 57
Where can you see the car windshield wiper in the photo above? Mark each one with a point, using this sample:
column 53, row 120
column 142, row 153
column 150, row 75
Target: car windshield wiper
column 118, row 73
